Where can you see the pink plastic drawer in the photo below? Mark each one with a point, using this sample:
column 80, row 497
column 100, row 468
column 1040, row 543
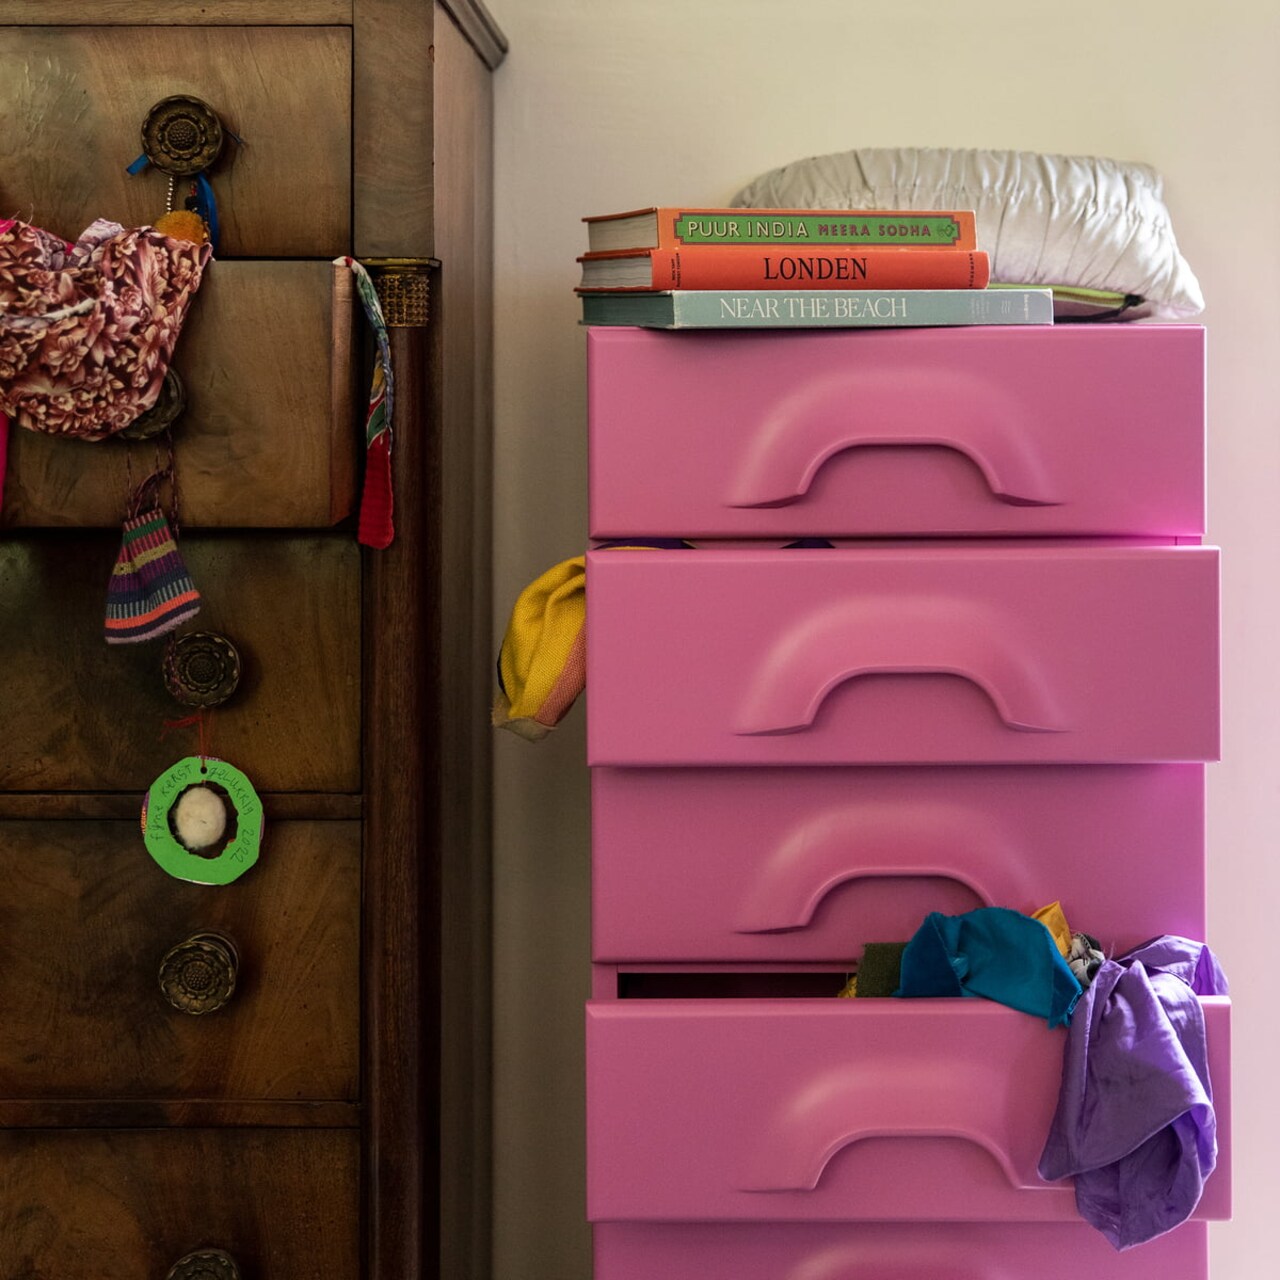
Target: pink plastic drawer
column 994, row 654
column 890, row 1251
column 791, row 865
column 836, row 1110
column 996, row 430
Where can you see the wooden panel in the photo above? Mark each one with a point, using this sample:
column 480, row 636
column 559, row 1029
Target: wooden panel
column 82, row 95
column 85, row 917
column 69, row 805
column 82, row 715
column 464, row 222
column 154, row 1113
column 83, row 1203
column 477, row 24
column 402, row 854
column 269, row 435
column 394, row 192
column 172, row 12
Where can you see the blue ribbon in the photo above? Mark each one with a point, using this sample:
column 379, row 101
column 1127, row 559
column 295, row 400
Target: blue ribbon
column 205, row 203
column 207, row 206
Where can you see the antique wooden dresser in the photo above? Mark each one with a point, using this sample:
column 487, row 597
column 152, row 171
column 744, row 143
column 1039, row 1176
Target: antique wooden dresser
column 330, row 1119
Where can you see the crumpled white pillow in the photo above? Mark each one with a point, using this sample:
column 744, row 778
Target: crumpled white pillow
column 1075, row 222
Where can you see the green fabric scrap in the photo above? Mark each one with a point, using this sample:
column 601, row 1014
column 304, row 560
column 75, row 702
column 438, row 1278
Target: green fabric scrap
column 880, row 970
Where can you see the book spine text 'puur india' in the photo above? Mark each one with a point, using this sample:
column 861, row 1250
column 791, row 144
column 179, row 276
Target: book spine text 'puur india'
column 678, row 227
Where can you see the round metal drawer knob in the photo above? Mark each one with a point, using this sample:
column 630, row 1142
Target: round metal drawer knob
column 202, row 669
column 204, row 1264
column 164, row 413
column 199, row 975
column 182, row 135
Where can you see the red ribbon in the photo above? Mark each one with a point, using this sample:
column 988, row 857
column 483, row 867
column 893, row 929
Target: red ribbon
column 201, row 718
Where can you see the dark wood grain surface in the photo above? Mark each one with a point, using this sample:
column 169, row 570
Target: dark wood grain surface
column 464, row 230
column 392, row 182
column 81, row 715
column 401, row 869
column 333, row 1120
column 79, row 96
column 82, row 1204
column 269, row 437
column 157, row 1113
column 85, row 917
column 167, row 13
column 277, row 805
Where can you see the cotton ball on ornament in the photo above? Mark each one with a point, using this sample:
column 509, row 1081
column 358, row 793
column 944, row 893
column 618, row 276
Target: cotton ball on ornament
column 199, row 818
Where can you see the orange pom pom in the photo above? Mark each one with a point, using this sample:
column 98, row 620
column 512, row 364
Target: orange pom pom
column 183, row 224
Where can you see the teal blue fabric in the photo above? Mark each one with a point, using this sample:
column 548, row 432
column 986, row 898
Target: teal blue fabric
column 993, row 952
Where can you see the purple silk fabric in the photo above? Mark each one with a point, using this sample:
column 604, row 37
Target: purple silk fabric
column 1135, row 1123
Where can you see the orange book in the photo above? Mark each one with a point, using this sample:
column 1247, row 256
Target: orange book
column 783, row 267
column 680, row 227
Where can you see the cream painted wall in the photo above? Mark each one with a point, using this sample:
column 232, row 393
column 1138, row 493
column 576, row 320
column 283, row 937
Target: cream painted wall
column 608, row 104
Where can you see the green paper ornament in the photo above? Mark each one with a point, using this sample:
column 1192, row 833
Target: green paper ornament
column 241, row 851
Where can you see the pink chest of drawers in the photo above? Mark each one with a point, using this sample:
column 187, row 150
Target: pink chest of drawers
column 997, row 685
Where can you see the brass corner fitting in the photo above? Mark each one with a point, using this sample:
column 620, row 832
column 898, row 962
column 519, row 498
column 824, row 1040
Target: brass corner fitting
column 404, row 289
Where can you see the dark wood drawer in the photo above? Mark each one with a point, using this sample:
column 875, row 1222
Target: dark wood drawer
column 80, row 1203
column 269, row 434
column 81, row 715
column 74, row 122
column 85, row 919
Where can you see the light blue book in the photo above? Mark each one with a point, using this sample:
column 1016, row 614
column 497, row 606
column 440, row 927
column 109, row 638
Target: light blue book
column 818, row 308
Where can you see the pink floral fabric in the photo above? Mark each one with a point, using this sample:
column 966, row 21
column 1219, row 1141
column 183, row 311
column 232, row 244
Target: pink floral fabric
column 87, row 329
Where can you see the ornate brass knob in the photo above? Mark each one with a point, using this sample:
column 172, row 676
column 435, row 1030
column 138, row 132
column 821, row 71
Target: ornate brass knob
column 204, row 1264
column 182, row 135
column 199, row 975
column 202, row 669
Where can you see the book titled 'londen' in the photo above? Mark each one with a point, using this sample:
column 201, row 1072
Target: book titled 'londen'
column 776, row 309
column 785, row 267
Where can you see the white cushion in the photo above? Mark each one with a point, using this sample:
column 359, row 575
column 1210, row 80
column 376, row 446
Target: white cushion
column 1075, row 222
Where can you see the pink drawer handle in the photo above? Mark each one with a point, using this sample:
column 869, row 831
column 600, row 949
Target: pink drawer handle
column 895, row 636
column 870, row 841
column 946, row 408
column 899, row 1099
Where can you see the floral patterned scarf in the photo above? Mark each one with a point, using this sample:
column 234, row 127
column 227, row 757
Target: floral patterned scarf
column 87, row 329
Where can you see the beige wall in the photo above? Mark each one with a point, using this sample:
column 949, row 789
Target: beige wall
column 606, row 105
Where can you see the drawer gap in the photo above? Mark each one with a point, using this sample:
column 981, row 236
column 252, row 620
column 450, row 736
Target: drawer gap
column 762, row 985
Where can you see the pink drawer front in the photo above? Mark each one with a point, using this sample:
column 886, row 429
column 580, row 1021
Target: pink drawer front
column 883, row 432
column 890, row 1251
column 793, row 865
column 1046, row 653
column 835, row 1110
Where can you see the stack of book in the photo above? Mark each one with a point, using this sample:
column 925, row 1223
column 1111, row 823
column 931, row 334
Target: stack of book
column 681, row 268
